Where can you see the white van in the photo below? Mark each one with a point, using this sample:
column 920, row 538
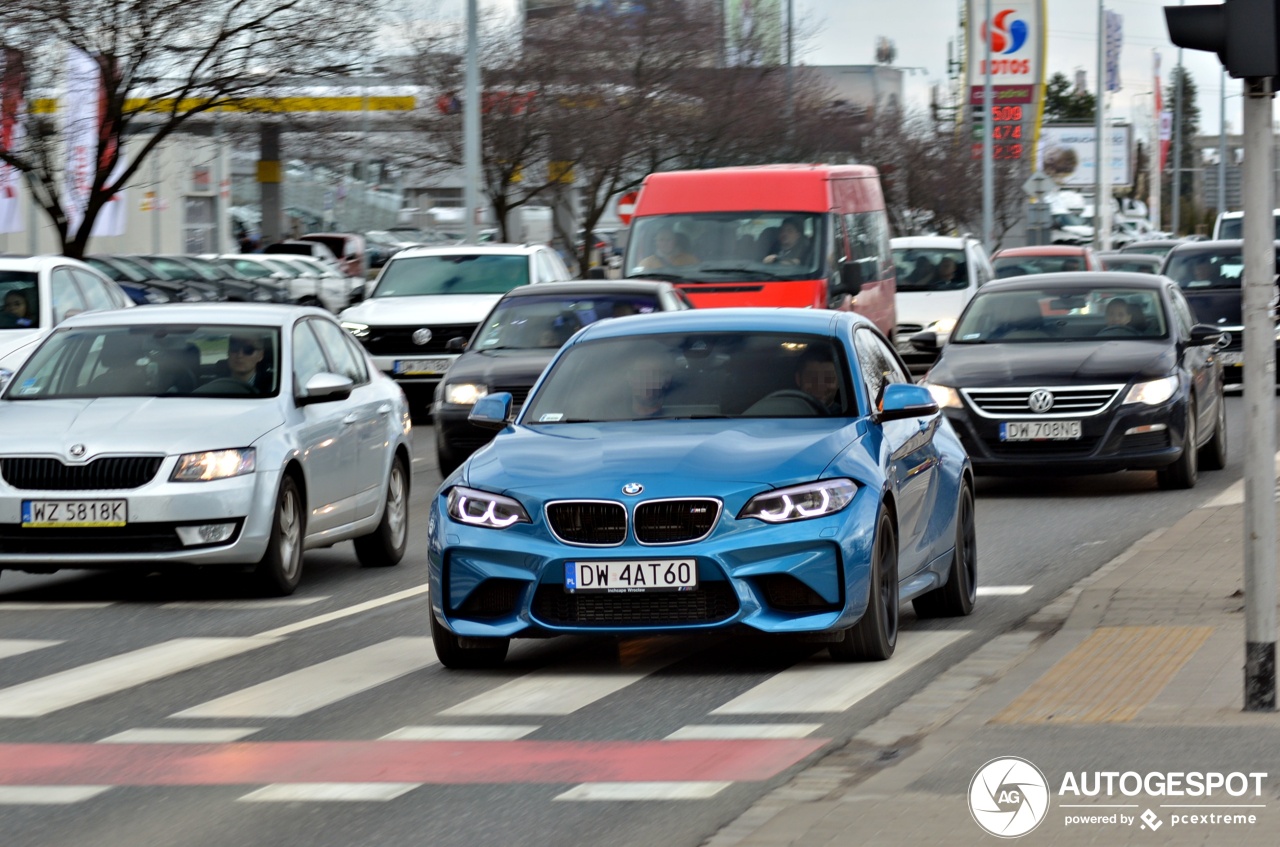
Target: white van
column 1231, row 225
column 927, row 301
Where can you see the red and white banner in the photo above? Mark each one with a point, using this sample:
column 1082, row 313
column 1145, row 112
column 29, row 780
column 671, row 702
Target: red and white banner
column 85, row 130
column 12, row 116
column 1166, row 120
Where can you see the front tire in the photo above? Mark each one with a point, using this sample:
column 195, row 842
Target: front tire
column 957, row 597
column 452, row 654
column 279, row 570
column 875, row 635
column 384, row 547
column 1183, row 473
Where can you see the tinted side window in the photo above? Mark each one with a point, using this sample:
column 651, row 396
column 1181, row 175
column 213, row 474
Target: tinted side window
column 67, row 300
column 877, row 363
column 95, row 292
column 868, row 234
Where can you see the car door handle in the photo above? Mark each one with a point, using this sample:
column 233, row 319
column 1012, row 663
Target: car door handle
column 352, row 418
column 384, row 409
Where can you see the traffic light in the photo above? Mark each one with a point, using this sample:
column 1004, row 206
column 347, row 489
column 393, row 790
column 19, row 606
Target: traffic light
column 1242, row 33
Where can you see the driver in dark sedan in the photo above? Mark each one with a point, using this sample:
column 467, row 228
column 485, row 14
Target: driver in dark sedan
column 1118, row 312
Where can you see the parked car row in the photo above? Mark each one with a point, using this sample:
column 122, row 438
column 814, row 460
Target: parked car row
column 234, row 277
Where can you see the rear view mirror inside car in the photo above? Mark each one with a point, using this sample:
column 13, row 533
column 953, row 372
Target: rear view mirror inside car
column 1067, row 303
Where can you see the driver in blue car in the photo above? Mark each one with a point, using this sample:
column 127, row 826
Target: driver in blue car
column 817, row 376
column 649, row 376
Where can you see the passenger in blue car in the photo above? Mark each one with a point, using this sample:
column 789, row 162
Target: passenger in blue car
column 649, row 376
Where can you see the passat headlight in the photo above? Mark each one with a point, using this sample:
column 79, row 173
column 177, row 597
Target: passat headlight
column 944, row 395
column 356, row 329
column 480, row 508
column 464, row 393
column 1153, row 393
column 215, row 464
column 800, row 502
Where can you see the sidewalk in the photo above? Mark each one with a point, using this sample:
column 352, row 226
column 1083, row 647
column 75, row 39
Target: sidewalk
column 1138, row 668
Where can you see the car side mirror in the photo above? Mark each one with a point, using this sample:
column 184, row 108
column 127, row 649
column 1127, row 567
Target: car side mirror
column 493, row 411
column 905, row 400
column 1203, row 335
column 926, row 341
column 850, row 278
column 324, row 388
column 455, row 345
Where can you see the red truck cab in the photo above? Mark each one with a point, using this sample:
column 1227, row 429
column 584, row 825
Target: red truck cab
column 809, row 236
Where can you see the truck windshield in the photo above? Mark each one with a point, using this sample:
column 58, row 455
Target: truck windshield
column 719, row 246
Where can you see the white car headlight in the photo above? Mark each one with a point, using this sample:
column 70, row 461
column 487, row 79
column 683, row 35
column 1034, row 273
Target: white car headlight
column 356, row 329
column 800, row 502
column 464, row 393
column 480, row 508
column 215, row 464
column 944, row 395
column 1153, row 393
column 942, row 326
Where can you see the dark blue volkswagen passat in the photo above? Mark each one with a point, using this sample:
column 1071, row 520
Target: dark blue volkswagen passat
column 697, row 471
column 1084, row 373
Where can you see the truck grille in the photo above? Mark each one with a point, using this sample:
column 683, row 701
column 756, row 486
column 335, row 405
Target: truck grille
column 108, row 472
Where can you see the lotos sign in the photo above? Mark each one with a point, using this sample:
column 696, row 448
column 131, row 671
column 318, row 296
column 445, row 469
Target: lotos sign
column 1015, row 35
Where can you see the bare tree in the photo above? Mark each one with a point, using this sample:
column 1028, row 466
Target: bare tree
column 160, row 64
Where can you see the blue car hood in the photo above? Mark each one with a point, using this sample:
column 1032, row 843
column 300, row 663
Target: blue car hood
column 666, row 457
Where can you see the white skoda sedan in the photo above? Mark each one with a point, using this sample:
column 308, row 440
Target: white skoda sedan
column 236, row 436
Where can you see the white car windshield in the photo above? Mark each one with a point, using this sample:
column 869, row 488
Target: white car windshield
column 454, row 273
column 152, row 361
column 703, row 375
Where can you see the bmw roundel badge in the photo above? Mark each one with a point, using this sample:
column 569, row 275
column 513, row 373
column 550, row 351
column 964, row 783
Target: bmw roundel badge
column 631, row 489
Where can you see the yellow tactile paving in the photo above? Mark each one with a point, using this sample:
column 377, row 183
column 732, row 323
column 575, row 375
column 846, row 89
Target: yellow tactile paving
column 1109, row 678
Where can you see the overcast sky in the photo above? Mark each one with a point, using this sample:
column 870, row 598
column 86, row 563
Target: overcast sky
column 843, row 32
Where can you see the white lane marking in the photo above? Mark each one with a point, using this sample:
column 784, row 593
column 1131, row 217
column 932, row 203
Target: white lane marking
column 18, row 646
column 329, row 792
column 184, row 735
column 821, row 685
column 339, row 614
column 1233, row 494
column 491, row 732
column 547, row 692
column 220, row 605
column 48, row 795
column 644, row 791
column 52, row 607
column 323, row 684
column 1003, row 590
column 734, row 731
column 109, row 676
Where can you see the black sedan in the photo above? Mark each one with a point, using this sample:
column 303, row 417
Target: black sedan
column 1210, row 274
column 1084, row 373
column 512, row 346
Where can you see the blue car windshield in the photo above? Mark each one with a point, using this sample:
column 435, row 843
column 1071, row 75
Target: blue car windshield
column 697, row 375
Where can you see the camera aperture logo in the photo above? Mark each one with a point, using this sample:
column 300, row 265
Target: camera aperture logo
column 1008, row 797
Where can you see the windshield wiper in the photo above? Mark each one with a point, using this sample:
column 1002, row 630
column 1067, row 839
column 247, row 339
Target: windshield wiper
column 756, row 274
column 659, row 275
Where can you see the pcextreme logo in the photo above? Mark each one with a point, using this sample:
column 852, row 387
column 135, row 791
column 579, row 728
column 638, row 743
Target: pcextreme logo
column 1008, row 797
column 1006, row 36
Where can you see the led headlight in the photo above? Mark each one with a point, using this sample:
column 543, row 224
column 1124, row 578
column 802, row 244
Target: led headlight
column 215, row 464
column 944, row 395
column 1153, row 393
column 358, row 330
column 800, row 502
column 464, row 393
column 480, row 508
